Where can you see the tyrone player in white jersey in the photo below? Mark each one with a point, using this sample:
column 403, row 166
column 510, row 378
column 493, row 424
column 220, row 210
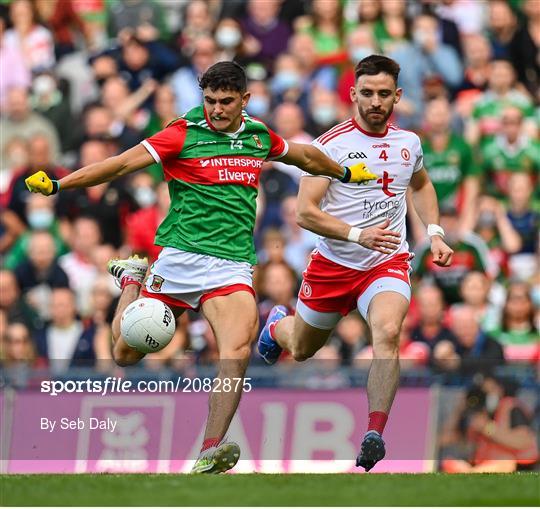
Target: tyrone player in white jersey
column 362, row 258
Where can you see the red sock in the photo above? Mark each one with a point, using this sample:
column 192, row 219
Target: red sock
column 210, row 442
column 377, row 422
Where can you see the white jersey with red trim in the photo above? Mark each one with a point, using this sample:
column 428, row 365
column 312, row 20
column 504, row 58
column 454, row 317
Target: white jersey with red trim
column 394, row 156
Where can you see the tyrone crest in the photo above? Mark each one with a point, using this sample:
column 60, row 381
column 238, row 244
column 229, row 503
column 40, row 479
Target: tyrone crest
column 405, row 154
column 257, row 141
column 157, row 282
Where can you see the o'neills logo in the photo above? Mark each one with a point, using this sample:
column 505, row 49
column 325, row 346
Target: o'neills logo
column 258, row 141
column 306, row 289
column 381, row 145
column 245, row 177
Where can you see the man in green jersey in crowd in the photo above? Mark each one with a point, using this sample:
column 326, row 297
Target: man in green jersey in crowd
column 452, row 168
column 212, row 158
column 511, row 151
column 486, row 121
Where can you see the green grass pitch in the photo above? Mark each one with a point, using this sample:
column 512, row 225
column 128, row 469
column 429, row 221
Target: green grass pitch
column 271, row 490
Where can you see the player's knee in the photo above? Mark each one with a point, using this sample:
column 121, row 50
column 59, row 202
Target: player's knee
column 385, row 340
column 387, row 333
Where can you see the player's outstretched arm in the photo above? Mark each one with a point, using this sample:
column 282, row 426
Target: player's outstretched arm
column 113, row 167
column 312, row 160
column 311, row 217
column 425, row 202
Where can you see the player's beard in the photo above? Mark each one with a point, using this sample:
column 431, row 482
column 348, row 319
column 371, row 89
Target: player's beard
column 375, row 122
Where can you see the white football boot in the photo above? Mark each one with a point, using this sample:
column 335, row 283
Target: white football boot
column 132, row 267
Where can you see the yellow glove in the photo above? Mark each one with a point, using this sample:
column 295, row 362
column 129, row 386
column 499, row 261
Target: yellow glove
column 358, row 173
column 41, row 183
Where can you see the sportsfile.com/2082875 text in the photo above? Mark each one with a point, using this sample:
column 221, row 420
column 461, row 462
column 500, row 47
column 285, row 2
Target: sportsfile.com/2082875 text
column 117, row 385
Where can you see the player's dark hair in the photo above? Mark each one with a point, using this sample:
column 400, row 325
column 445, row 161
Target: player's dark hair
column 375, row 64
column 224, row 76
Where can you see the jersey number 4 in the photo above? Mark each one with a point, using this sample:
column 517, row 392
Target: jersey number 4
column 383, row 155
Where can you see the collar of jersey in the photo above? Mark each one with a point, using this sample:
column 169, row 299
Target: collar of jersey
column 367, row 133
column 211, row 126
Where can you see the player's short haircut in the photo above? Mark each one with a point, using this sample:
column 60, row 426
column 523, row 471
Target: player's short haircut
column 224, row 76
column 375, row 64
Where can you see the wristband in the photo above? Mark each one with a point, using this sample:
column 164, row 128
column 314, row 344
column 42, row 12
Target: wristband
column 55, row 186
column 354, row 234
column 434, row 229
column 346, row 175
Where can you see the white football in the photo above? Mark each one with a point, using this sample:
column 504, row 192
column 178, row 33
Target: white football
column 147, row 325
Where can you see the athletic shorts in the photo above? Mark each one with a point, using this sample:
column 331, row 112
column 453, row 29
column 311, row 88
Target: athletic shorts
column 330, row 291
column 186, row 280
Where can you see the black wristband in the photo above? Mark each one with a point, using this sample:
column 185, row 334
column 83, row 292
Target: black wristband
column 55, row 186
column 346, row 176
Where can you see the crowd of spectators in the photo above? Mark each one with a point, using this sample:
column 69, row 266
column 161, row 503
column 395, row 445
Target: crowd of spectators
column 83, row 80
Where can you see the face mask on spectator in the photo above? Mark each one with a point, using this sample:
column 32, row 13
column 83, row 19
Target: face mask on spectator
column 420, row 37
column 324, row 115
column 285, row 80
column 486, row 219
column 492, row 402
column 40, row 219
column 145, row 196
column 358, row 53
column 258, row 105
column 228, row 37
column 44, row 85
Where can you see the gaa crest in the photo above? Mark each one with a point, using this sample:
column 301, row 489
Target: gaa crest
column 258, row 141
column 157, row 282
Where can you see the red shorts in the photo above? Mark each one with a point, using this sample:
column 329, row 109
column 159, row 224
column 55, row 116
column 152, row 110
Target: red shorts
column 328, row 287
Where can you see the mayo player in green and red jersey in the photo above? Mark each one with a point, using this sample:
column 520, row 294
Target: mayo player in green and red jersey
column 212, row 158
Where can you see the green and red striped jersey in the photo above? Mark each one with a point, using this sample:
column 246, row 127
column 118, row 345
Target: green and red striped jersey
column 213, row 182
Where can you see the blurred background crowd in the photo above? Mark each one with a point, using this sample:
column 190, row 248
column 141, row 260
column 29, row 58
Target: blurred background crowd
column 85, row 79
